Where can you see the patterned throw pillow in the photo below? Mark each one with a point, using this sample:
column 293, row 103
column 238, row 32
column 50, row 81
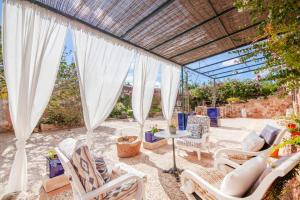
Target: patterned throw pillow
column 102, row 169
column 196, row 130
column 85, row 168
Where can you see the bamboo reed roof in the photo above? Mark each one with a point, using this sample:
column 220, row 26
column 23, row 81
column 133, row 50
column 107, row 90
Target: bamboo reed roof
column 182, row 31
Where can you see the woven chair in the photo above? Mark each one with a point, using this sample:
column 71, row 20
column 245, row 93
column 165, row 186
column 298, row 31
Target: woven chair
column 237, row 155
column 205, row 182
column 199, row 128
column 109, row 190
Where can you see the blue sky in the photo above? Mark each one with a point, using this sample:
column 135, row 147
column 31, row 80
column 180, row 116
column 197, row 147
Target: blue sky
column 193, row 77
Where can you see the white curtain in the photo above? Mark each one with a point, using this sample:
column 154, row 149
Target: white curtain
column 144, row 77
column 170, row 76
column 33, row 41
column 102, row 65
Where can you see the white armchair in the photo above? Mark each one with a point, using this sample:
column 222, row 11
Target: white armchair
column 237, row 154
column 80, row 193
column 199, row 127
column 206, row 184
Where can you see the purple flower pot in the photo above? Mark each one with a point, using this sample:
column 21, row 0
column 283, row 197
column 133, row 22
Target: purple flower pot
column 150, row 137
column 55, row 167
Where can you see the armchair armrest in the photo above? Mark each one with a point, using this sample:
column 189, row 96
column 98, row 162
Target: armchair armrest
column 220, row 142
column 131, row 170
column 110, row 185
column 224, row 161
column 187, row 174
column 227, row 151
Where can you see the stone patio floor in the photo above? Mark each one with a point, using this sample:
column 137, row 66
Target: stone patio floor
column 159, row 186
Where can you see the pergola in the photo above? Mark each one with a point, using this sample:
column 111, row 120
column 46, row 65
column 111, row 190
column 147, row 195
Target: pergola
column 181, row 31
column 169, row 34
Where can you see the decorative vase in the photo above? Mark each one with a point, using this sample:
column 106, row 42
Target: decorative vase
column 172, row 130
column 128, row 146
column 55, row 167
column 150, row 137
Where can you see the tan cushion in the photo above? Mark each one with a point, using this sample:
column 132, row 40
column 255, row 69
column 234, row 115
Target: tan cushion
column 85, row 168
column 252, row 142
column 240, row 180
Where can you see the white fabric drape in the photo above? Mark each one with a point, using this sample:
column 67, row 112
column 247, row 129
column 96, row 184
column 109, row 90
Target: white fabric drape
column 102, row 65
column 33, row 42
column 170, row 76
column 144, row 77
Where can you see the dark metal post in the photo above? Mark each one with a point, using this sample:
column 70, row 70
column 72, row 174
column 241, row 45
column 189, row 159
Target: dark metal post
column 214, row 94
column 182, row 89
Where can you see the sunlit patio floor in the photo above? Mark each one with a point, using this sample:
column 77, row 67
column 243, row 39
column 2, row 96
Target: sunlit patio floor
column 159, row 186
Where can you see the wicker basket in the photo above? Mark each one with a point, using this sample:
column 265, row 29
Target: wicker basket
column 128, row 146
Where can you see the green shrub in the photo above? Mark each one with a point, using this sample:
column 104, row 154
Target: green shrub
column 242, row 90
column 233, row 100
column 130, row 113
column 118, row 110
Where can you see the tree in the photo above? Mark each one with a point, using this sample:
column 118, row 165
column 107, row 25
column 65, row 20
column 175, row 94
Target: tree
column 64, row 107
column 280, row 35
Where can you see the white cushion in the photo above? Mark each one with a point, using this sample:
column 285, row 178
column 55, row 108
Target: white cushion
column 252, row 142
column 239, row 181
column 67, row 147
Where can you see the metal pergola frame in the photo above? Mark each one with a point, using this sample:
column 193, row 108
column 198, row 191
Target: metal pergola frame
column 217, row 15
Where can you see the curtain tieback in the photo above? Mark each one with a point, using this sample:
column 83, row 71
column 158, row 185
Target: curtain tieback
column 21, row 144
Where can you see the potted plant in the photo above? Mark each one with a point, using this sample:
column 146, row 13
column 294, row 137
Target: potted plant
column 150, row 135
column 54, row 164
column 172, row 129
column 294, row 142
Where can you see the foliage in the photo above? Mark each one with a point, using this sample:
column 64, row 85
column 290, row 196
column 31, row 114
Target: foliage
column 291, row 141
column 243, row 90
column 279, row 36
column 52, row 154
column 118, row 110
column 3, row 88
column 155, row 106
column 172, row 126
column 64, row 107
column 154, row 129
column 278, row 189
column 233, row 100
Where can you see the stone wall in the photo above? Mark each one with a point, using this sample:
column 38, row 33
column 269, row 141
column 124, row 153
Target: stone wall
column 5, row 122
column 270, row 107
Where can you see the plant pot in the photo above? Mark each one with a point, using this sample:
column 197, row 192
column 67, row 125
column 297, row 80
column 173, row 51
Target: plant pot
column 130, row 148
column 172, row 130
column 150, row 137
column 55, row 167
column 275, row 153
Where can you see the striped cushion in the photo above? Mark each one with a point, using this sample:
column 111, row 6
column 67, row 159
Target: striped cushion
column 102, row 169
column 85, row 168
column 123, row 191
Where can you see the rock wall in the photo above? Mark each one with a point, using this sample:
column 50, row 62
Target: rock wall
column 270, row 107
column 5, row 122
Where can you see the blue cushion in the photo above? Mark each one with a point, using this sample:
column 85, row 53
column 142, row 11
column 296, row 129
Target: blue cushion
column 269, row 134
